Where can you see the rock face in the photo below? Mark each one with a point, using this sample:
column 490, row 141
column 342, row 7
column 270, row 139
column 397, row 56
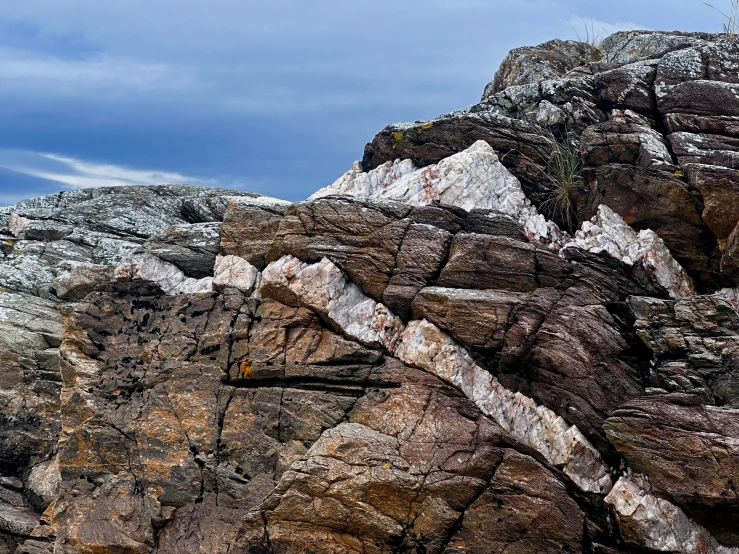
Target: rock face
column 416, row 359
column 553, row 59
column 663, row 104
column 472, row 179
column 54, row 251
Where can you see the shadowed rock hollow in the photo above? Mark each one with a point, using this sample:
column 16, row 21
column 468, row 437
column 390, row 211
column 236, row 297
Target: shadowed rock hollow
column 423, row 357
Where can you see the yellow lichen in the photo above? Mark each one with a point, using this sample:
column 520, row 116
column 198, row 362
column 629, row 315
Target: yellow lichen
column 679, row 173
column 245, row 369
column 428, row 125
column 398, row 136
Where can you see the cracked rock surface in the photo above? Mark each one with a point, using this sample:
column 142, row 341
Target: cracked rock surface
column 421, row 358
column 54, row 251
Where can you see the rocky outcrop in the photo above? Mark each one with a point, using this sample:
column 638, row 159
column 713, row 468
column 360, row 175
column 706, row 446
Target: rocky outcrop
column 413, row 360
column 531, row 65
column 661, row 103
column 688, row 450
column 692, row 343
column 288, row 406
column 55, row 251
column 472, row 179
column 607, row 232
column 522, row 145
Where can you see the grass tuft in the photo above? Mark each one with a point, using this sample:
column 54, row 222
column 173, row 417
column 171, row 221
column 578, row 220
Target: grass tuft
column 731, row 23
column 564, row 167
column 590, row 35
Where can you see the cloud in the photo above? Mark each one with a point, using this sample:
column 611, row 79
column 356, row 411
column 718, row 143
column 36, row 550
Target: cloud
column 47, row 75
column 76, row 174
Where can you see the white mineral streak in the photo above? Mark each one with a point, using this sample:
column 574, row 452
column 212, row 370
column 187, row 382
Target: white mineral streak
column 17, row 224
column 424, row 345
column 473, row 178
column 257, row 200
column 657, row 523
column 608, row 232
column 731, row 296
column 650, row 521
column 147, row 267
column 44, row 479
column 357, row 183
column 235, row 272
column 324, row 288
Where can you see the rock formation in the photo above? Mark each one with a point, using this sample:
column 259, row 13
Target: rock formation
column 422, row 357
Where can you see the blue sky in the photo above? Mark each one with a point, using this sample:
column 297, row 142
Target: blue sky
column 274, row 96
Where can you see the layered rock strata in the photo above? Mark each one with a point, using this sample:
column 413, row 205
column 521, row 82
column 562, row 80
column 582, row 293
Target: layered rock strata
column 414, row 360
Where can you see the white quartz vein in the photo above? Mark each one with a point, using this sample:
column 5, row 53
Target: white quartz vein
column 325, row 289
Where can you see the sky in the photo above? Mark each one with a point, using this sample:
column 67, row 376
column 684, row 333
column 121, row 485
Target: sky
column 277, row 97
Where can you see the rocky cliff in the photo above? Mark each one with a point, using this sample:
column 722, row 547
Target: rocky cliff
column 457, row 347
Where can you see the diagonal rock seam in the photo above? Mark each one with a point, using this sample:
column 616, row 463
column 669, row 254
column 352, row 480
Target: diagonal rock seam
column 475, row 178
column 323, row 288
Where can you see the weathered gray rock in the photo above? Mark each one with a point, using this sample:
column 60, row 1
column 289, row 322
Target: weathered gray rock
column 192, row 248
column 532, row 64
column 625, row 138
column 61, row 248
column 628, row 46
column 693, row 343
column 628, row 87
column 30, row 333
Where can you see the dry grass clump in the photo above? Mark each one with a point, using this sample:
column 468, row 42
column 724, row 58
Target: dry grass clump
column 731, row 17
column 589, row 35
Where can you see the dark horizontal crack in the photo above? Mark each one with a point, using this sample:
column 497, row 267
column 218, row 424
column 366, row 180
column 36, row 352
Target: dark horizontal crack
column 308, row 383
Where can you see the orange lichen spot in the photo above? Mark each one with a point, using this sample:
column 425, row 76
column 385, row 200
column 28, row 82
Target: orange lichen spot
column 332, row 447
column 428, row 125
column 245, row 369
column 629, row 219
column 145, row 355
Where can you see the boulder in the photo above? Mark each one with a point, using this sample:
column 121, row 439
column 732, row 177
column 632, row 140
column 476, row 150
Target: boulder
column 532, row 64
